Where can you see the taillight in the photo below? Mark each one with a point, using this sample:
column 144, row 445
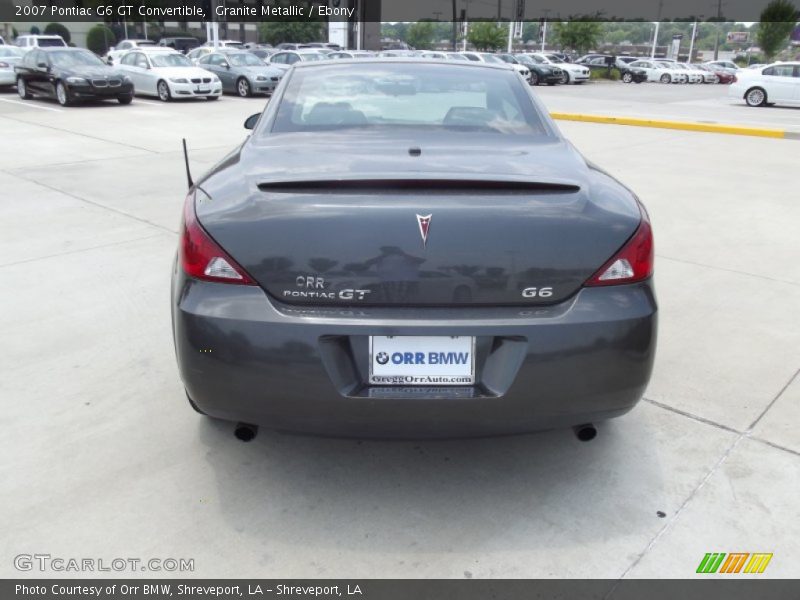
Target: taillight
column 633, row 262
column 201, row 257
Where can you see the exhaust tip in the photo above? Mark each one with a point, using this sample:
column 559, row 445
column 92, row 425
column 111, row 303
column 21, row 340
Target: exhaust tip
column 245, row 432
column 586, row 432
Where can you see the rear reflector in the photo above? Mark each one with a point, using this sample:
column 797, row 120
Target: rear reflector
column 201, row 257
column 633, row 262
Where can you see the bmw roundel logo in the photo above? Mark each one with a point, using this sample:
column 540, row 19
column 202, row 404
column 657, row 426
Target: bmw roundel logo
column 382, row 358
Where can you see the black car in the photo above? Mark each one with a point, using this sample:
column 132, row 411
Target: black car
column 70, row 75
column 633, row 75
column 541, row 72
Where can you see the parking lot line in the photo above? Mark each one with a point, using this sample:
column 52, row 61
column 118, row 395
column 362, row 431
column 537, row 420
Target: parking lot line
column 29, row 105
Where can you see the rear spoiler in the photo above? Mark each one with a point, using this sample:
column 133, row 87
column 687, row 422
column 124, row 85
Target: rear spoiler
column 400, row 186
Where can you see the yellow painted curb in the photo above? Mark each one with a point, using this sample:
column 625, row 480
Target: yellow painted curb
column 683, row 125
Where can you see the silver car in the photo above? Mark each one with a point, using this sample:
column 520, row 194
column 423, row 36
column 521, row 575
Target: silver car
column 241, row 72
column 9, row 56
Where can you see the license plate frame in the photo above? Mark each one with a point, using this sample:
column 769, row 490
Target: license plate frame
column 415, row 373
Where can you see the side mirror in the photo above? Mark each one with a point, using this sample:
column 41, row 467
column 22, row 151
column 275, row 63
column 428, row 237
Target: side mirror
column 226, row 65
column 251, row 121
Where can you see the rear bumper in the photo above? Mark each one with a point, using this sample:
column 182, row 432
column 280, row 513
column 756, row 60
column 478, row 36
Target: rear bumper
column 7, row 77
column 244, row 357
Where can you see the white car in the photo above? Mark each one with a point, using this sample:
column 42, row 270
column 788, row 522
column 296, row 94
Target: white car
column 39, row 41
column 657, row 71
column 572, row 73
column 729, row 66
column 692, row 75
column 485, row 57
column 778, row 83
column 233, row 44
column 344, row 54
column 709, row 76
column 9, row 56
column 115, row 52
column 286, row 58
column 168, row 75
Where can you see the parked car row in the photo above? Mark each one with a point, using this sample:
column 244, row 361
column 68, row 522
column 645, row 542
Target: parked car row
column 43, row 67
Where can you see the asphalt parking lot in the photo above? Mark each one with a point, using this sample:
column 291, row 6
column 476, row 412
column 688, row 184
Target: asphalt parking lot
column 102, row 457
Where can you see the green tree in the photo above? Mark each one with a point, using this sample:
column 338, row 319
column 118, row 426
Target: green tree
column 485, row 35
column 579, row 35
column 99, row 39
column 777, row 22
column 58, row 29
column 277, row 32
column 420, row 35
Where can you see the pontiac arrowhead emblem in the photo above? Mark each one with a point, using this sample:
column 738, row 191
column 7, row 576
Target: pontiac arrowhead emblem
column 424, row 223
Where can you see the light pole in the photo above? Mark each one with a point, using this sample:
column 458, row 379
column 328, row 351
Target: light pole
column 691, row 44
column 655, row 41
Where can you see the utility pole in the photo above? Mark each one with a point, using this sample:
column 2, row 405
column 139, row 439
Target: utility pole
column 691, row 44
column 658, row 23
column 544, row 28
column 455, row 27
column 510, row 36
column 716, row 27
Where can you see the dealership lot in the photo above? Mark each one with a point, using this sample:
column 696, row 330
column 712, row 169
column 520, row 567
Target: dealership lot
column 103, row 458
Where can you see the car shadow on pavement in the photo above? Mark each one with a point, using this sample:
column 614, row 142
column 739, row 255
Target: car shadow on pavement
column 437, row 496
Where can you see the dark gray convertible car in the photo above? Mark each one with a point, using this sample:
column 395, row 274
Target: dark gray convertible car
column 406, row 248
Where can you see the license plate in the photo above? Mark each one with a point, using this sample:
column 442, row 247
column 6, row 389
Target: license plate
column 421, row 360
column 199, row 91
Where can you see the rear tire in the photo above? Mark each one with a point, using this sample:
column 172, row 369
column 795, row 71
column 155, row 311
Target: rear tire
column 164, row 93
column 22, row 89
column 62, row 95
column 534, row 80
column 755, row 97
column 627, row 77
column 243, row 88
column 665, row 78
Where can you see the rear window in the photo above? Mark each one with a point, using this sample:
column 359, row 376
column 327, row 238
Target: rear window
column 403, row 96
column 45, row 42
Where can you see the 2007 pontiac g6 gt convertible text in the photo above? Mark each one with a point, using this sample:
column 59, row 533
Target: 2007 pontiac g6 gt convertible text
column 411, row 249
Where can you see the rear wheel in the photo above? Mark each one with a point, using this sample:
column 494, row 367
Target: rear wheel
column 243, row 87
column 534, row 80
column 164, row 93
column 62, row 95
column 22, row 89
column 665, row 78
column 755, row 97
column 627, row 77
